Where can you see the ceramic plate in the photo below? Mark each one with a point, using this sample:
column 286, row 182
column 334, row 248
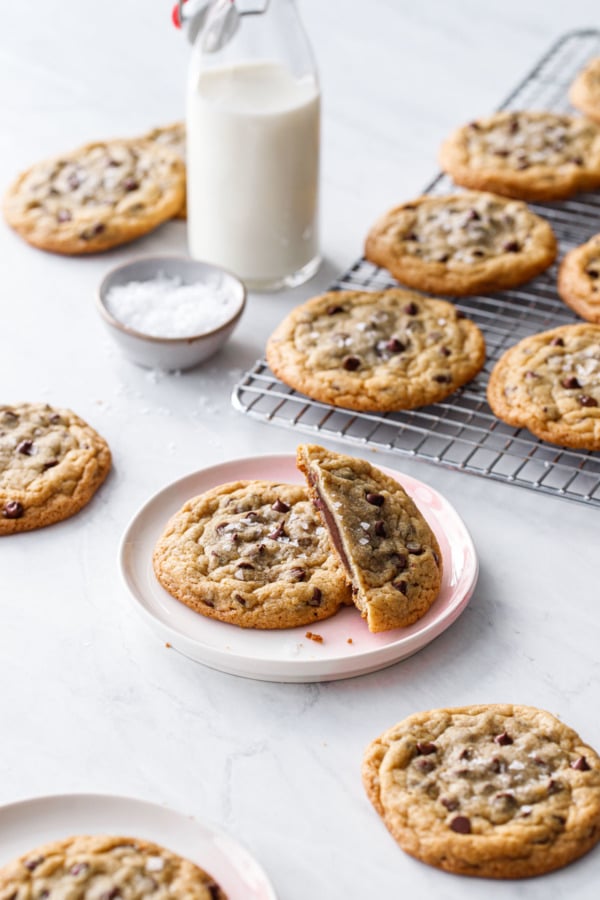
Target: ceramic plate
column 29, row 823
column 348, row 648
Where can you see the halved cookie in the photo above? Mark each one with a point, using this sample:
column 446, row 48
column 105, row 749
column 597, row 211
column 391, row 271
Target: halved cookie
column 381, row 350
column 51, row 464
column 550, row 383
column 498, row 791
column 252, row 553
column 524, row 154
column 386, row 547
column 105, row 867
column 461, row 243
column 96, row 197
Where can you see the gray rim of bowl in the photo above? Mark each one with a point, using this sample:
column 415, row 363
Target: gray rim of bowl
column 101, row 290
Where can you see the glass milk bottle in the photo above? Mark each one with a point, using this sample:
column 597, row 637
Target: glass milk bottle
column 253, row 111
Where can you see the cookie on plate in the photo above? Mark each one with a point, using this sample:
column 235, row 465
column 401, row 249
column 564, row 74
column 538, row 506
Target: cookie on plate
column 376, row 350
column 585, row 90
column 498, row 791
column 104, row 867
column 528, row 155
column 550, row 383
column 51, row 464
column 252, row 553
column 462, row 243
column 390, row 554
column 579, row 279
column 96, row 197
column 173, row 137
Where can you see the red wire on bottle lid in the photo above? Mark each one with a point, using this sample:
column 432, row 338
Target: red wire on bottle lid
column 175, row 15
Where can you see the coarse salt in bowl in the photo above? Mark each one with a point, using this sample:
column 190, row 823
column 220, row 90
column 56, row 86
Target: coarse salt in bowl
column 170, row 312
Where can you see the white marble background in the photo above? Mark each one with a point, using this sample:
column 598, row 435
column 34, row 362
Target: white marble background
column 90, row 700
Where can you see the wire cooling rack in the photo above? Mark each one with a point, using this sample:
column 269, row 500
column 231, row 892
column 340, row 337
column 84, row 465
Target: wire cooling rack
column 462, row 432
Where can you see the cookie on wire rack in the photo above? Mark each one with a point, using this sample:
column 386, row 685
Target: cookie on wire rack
column 584, row 93
column 461, row 244
column 376, row 350
column 550, row 383
column 96, row 197
column 579, row 279
column 496, row 791
column 527, row 155
column 102, row 866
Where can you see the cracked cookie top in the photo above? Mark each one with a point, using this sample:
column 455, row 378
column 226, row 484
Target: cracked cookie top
column 579, row 279
column 380, row 350
column 550, row 383
column 104, row 868
column 461, row 243
column 498, row 791
column 96, row 197
column 51, row 463
column 585, row 90
column 254, row 554
column 524, row 154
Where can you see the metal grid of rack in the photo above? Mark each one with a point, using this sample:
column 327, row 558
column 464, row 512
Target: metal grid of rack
column 462, row 433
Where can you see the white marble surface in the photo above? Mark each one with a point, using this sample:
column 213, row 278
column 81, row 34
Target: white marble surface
column 90, row 700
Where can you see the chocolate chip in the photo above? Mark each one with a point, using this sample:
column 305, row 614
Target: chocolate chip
column 445, row 351
column 240, row 599
column 426, row 747
column 415, row 548
column 13, row 510
column 577, row 160
column 55, row 419
column 507, row 796
column 411, row 309
column 461, row 825
column 503, row 739
column 401, row 586
column 214, row 891
column 277, row 532
column 245, row 565
column 252, row 516
column 581, row 764
column 411, row 236
column 554, row 786
column 111, row 895
column 210, row 603
column 73, row 181
column 316, row 598
column 460, row 314
column 63, row 215
column 221, row 527
column 78, row 868
column 280, row 506
column 475, row 126
column 557, row 342
column 586, row 400
column 298, row 574
column 592, row 273
column 33, row 863
column 93, row 231
column 351, row 363
column 560, row 819
column 570, row 382
column 473, row 216
column 503, row 153
column 443, row 378
column 334, row 310
column 531, row 374
column 498, row 765
column 375, row 499
column 511, row 247
column 379, row 528
column 522, row 165
column 395, row 346
column 467, row 753
column 25, row 447
column 425, row 765
column 130, row 184
column 478, row 253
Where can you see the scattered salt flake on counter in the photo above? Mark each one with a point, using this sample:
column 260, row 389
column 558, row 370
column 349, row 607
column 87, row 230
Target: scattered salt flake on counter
column 167, row 307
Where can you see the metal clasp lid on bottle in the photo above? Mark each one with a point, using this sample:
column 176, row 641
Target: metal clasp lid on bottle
column 218, row 20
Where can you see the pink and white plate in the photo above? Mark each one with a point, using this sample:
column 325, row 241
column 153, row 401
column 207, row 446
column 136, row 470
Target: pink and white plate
column 348, row 648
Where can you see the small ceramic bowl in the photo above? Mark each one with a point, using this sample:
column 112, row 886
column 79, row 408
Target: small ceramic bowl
column 170, row 353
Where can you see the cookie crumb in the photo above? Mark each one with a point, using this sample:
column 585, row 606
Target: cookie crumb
column 349, row 641
column 167, row 645
column 318, row 638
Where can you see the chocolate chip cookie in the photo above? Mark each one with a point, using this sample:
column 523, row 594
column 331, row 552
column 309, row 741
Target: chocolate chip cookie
column 96, row 197
column 579, row 280
column 386, row 547
column 105, row 867
column 174, row 138
column 462, row 243
column 585, row 90
column 382, row 350
column 51, row 464
column 529, row 155
column 497, row 791
column 550, row 384
column 252, row 553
